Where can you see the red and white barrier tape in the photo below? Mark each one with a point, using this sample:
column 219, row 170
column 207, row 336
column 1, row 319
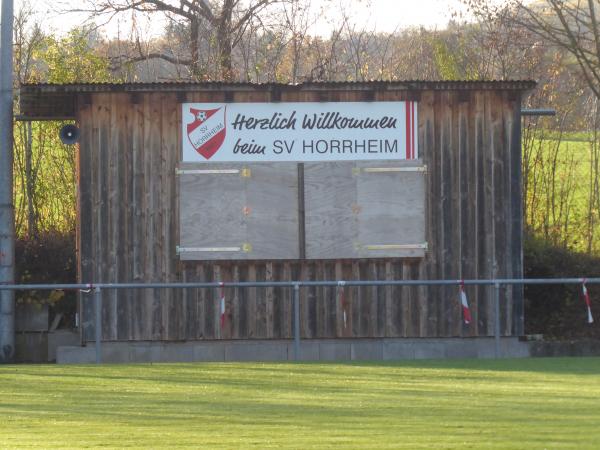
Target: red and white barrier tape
column 466, row 312
column 342, row 297
column 588, row 303
column 222, row 303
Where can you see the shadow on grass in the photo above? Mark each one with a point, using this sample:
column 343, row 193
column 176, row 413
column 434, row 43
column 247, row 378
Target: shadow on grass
column 563, row 365
column 179, row 373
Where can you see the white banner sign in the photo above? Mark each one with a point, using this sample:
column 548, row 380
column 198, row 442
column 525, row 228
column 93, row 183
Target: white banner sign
column 334, row 131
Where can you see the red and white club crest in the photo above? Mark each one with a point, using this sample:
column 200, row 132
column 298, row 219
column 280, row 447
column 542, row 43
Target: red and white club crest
column 207, row 131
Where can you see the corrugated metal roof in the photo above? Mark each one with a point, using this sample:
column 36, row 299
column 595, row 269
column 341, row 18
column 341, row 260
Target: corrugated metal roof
column 59, row 101
column 172, row 86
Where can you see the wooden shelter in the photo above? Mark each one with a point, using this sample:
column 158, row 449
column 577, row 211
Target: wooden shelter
column 130, row 205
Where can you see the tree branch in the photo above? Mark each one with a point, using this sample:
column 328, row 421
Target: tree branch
column 119, row 61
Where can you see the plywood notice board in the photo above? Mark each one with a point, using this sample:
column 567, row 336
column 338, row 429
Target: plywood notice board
column 345, row 210
column 238, row 211
column 365, row 210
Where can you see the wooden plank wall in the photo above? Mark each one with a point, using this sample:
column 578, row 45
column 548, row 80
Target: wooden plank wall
column 128, row 228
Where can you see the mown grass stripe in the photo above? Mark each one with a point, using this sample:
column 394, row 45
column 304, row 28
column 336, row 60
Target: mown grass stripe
column 532, row 403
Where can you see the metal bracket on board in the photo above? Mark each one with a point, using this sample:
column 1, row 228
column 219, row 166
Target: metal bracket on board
column 207, row 249
column 422, row 246
column 206, row 171
column 422, row 169
column 245, row 247
column 244, row 173
column 373, row 247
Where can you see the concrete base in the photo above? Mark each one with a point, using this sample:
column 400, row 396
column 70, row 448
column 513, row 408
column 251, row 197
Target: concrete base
column 566, row 348
column 61, row 338
column 283, row 350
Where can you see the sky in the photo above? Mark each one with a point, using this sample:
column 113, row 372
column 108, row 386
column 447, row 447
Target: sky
column 390, row 15
column 382, row 15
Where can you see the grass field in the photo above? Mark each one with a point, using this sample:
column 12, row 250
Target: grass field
column 532, row 403
column 557, row 189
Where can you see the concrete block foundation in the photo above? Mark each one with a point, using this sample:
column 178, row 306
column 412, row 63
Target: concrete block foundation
column 283, row 350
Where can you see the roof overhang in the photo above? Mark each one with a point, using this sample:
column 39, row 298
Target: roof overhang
column 59, row 101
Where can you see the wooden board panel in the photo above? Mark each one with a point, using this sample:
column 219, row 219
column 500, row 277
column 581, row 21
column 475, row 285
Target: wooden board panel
column 211, row 213
column 430, row 154
column 272, row 217
column 137, row 218
column 154, row 241
column 391, row 210
column 101, row 211
column 329, row 194
column 85, row 222
column 121, row 228
column 364, row 210
column 238, row 212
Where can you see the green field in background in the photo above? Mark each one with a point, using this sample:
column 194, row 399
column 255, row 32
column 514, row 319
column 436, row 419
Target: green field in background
column 528, row 403
column 558, row 174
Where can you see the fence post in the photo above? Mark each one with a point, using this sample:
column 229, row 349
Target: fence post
column 296, row 322
column 98, row 320
column 497, row 319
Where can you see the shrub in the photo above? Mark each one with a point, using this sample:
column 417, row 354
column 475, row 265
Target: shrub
column 48, row 258
column 559, row 311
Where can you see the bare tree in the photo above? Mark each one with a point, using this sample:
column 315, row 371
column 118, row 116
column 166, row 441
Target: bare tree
column 298, row 21
column 226, row 20
column 28, row 39
column 571, row 26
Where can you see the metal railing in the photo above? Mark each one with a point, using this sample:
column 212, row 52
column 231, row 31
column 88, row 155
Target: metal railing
column 97, row 289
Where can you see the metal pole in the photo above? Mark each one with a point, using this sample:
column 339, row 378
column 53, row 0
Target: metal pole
column 497, row 319
column 297, row 322
column 98, row 326
column 7, row 223
column 538, row 112
column 291, row 283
